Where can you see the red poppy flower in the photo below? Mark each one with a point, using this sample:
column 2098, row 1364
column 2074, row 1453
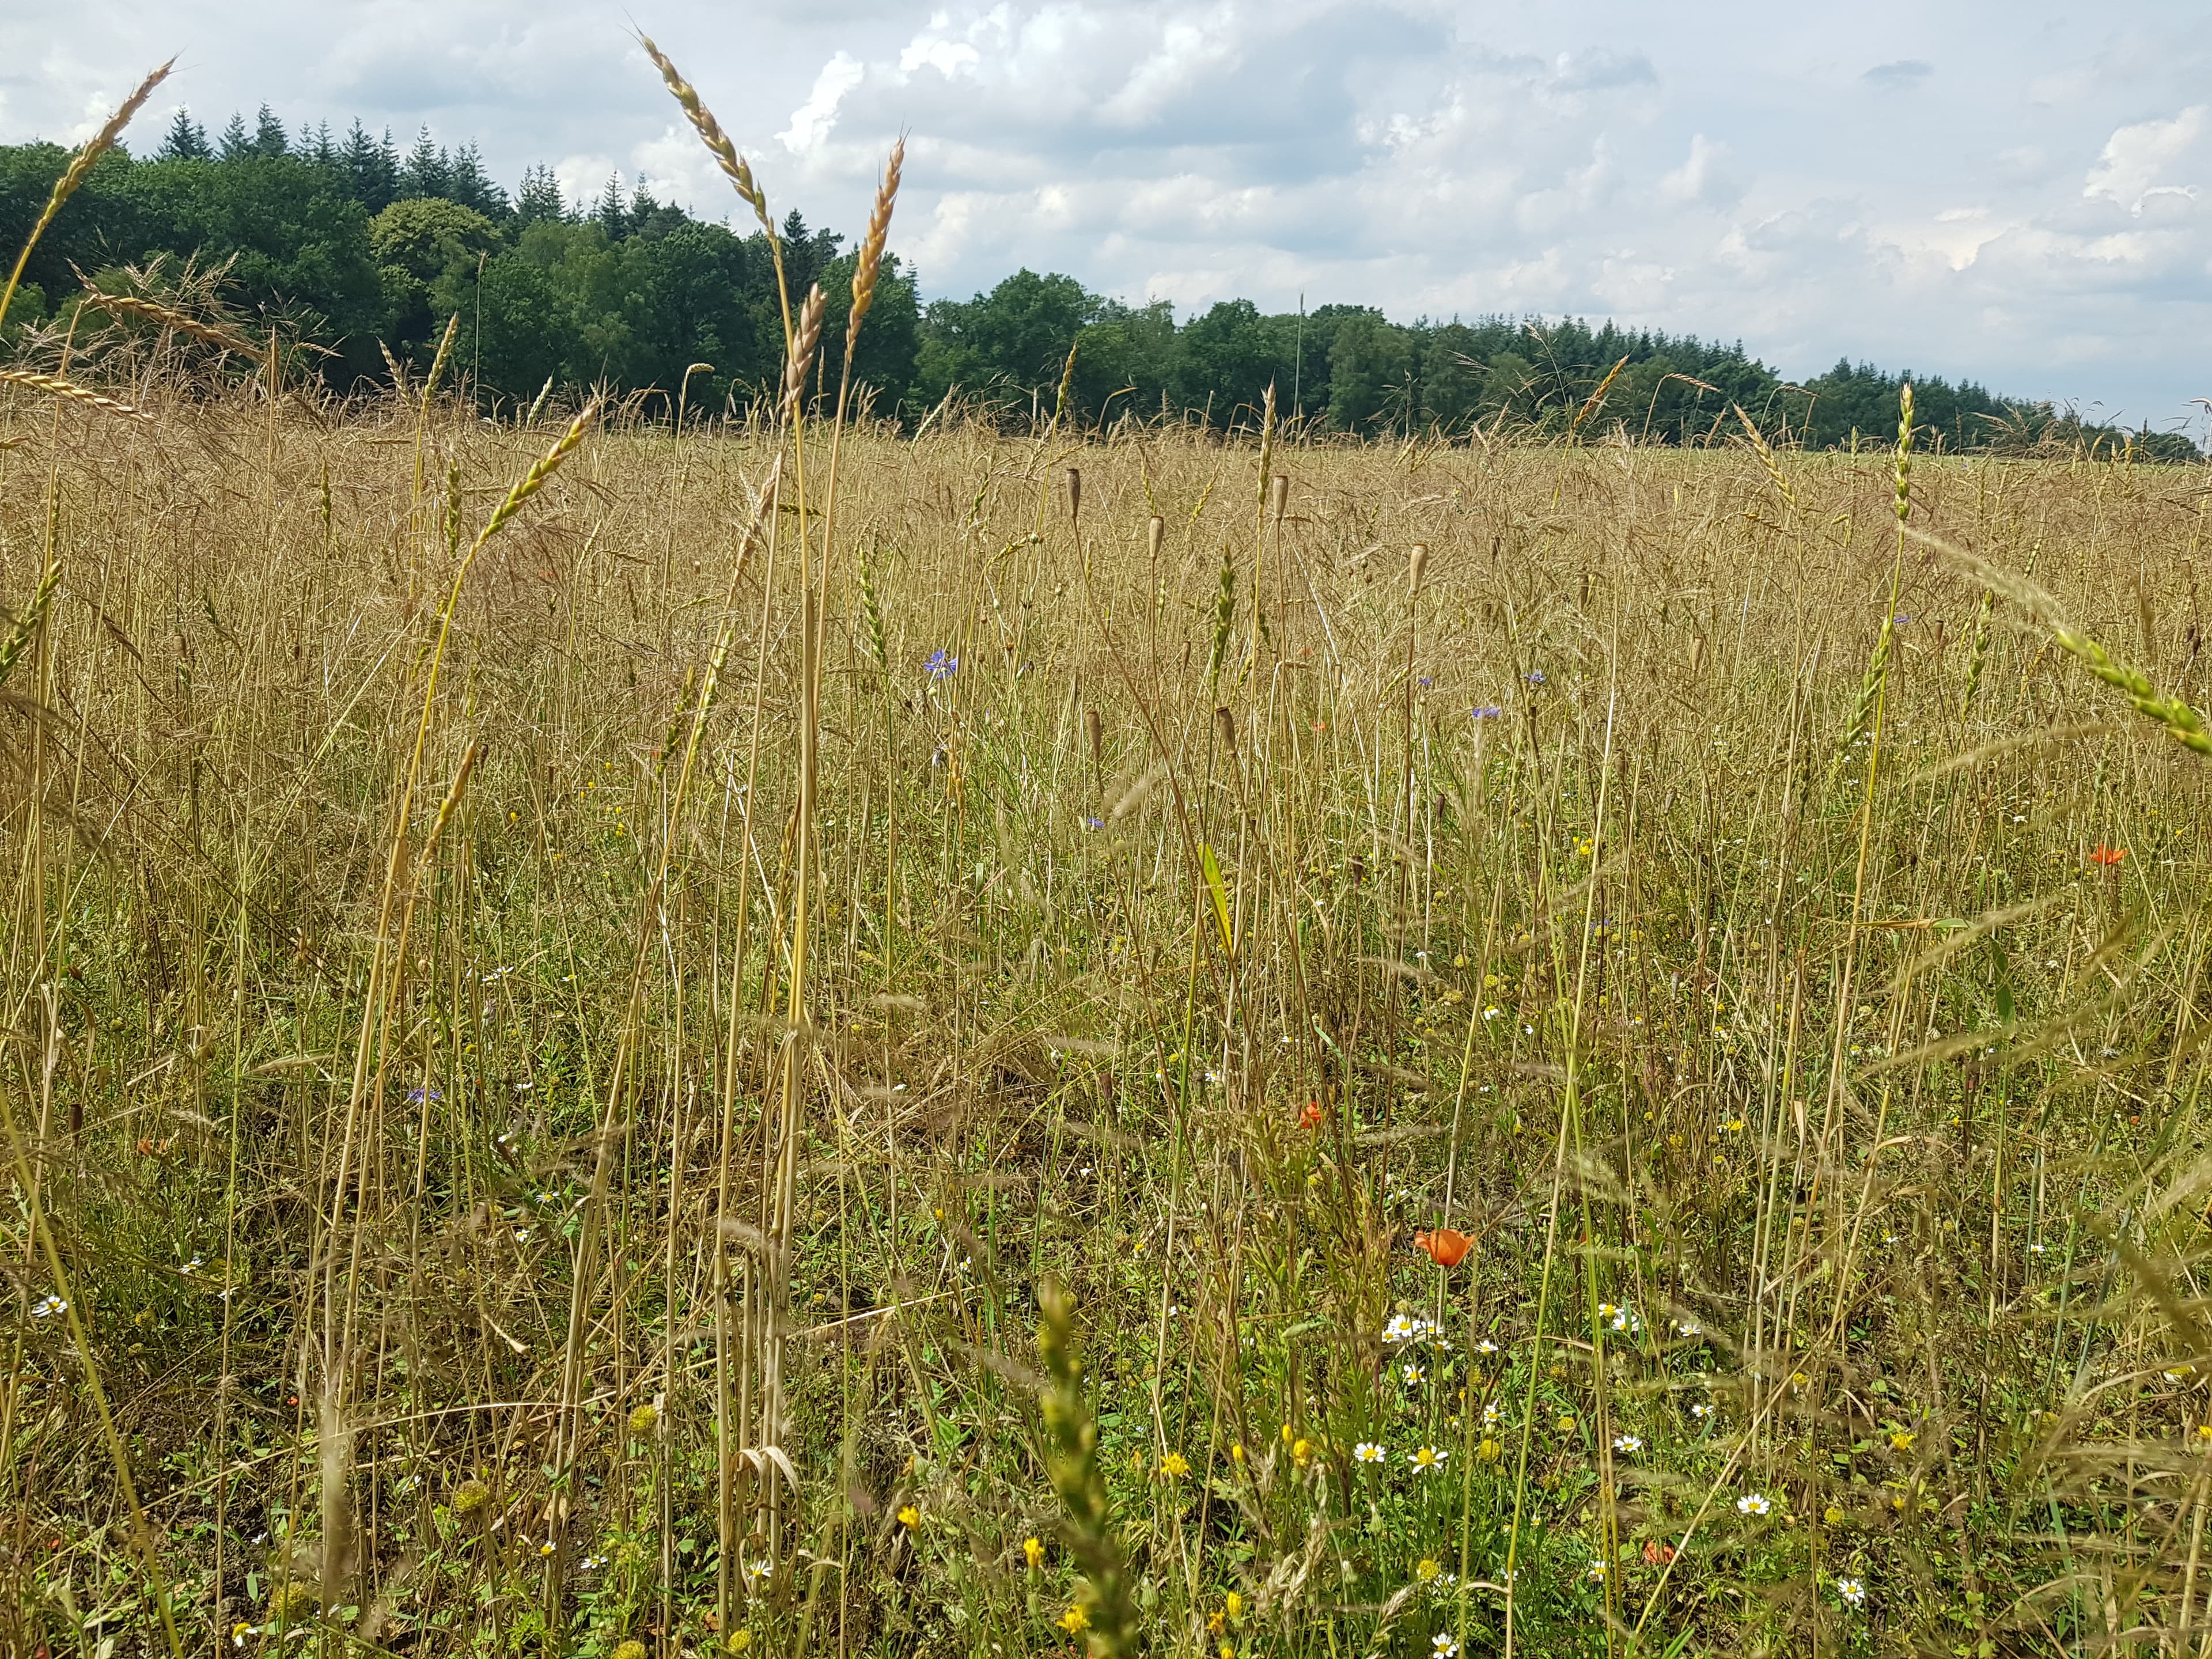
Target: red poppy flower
column 1310, row 1116
column 2107, row 856
column 1446, row 1247
column 1655, row 1555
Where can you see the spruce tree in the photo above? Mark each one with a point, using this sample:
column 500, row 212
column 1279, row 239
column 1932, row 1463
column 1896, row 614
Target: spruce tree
column 427, row 171
column 368, row 169
column 269, row 138
column 539, row 196
column 235, row 144
column 472, row 187
column 187, row 140
column 609, row 212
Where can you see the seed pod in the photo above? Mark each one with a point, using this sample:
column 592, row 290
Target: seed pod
column 1075, row 492
column 1094, row 729
column 1154, row 531
column 1280, row 495
column 1415, row 567
column 1225, row 723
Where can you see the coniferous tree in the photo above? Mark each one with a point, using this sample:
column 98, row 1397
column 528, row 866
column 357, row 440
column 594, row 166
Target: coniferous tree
column 368, row 169
column 539, row 196
column 187, row 140
column 427, row 171
column 269, row 138
column 236, row 143
column 611, row 216
column 469, row 185
column 318, row 146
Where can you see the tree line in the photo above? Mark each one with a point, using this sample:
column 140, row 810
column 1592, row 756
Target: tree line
column 366, row 248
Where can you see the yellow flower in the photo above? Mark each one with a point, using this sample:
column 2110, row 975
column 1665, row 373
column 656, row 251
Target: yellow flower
column 1489, row 1451
column 1302, row 1452
column 1217, row 1622
column 1428, row 1569
column 1235, row 1607
column 642, row 1419
column 1287, row 1435
column 1173, row 1467
column 1075, row 1621
column 632, row 1649
column 1834, row 1516
column 909, row 1517
column 1226, row 1651
column 1236, row 1451
column 1566, row 1426
column 1902, row 1440
column 740, row 1640
column 1034, row 1553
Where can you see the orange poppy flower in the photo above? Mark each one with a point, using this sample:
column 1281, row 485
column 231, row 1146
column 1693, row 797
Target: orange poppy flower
column 2107, row 856
column 1310, row 1114
column 1446, row 1247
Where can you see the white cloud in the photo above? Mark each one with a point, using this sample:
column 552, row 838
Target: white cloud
column 2135, row 156
column 811, row 121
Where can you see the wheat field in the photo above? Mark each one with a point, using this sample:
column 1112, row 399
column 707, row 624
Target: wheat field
column 433, row 1231
column 629, row 1036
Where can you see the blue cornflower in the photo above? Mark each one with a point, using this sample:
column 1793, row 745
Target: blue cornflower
column 941, row 666
column 1091, row 823
column 1489, row 711
column 1427, row 683
column 1535, row 677
column 1901, row 618
column 417, row 1097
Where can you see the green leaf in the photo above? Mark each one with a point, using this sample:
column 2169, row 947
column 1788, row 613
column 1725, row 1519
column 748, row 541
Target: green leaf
column 1212, row 869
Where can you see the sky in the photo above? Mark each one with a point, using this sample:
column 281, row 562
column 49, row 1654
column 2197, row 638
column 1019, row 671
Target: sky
column 2006, row 192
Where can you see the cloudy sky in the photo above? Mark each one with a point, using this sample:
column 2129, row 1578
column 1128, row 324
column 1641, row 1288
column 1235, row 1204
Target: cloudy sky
column 2004, row 192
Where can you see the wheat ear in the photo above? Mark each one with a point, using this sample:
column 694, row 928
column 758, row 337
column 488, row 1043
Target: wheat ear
column 27, row 625
column 81, row 165
column 126, row 305
column 869, row 264
column 803, row 347
column 733, row 165
column 54, row 386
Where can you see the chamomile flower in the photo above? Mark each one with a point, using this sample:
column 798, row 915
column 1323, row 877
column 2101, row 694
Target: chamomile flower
column 1628, row 1443
column 1444, row 1645
column 1427, row 1458
column 1851, row 1592
column 1414, row 1374
column 1368, row 1452
column 1754, row 1503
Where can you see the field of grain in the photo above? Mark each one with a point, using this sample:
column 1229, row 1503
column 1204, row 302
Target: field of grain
column 538, row 1124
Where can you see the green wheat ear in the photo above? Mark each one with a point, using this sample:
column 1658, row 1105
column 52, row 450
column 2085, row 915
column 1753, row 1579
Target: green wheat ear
column 1070, row 1457
column 1877, row 671
column 872, row 611
column 1224, row 618
column 27, row 625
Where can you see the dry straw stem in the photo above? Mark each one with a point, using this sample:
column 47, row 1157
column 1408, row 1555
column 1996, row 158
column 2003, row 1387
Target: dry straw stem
column 54, row 386
column 80, row 165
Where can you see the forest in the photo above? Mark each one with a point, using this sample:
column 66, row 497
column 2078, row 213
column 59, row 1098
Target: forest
column 360, row 247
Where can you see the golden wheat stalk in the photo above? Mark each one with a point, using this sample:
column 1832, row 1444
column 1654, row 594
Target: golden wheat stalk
column 54, row 386
column 80, row 166
column 869, row 264
column 726, row 156
column 802, row 352
column 150, row 311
